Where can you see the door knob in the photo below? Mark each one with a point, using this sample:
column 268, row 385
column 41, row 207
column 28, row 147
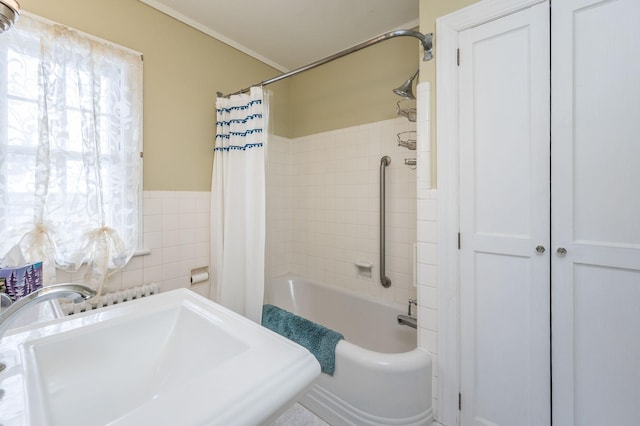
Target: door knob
column 561, row 251
column 540, row 249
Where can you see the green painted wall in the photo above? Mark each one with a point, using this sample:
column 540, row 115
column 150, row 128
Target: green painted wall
column 353, row 90
column 183, row 69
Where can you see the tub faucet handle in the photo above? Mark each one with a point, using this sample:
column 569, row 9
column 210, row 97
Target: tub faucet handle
column 411, row 302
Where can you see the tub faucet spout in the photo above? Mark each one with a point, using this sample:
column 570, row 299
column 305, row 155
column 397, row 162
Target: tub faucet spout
column 75, row 292
column 407, row 320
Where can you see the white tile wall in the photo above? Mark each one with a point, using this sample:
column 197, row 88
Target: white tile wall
column 176, row 231
column 327, row 213
column 427, row 275
column 427, row 240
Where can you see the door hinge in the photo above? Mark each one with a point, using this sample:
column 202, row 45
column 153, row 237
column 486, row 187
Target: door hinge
column 458, row 57
column 458, row 241
column 459, row 402
column 141, row 154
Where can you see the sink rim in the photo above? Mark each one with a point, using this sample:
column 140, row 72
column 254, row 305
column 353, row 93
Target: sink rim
column 291, row 368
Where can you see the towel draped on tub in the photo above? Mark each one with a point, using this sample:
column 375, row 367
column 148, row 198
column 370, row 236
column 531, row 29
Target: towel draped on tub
column 319, row 340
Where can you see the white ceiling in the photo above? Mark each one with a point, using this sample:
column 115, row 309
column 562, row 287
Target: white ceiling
column 288, row 34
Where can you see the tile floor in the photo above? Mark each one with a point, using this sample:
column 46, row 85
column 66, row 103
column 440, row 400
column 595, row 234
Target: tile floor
column 297, row 415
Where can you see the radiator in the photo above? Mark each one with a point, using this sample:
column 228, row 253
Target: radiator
column 70, row 308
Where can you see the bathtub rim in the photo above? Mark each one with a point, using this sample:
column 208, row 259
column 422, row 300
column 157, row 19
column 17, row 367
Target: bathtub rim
column 384, row 360
column 347, row 291
column 347, row 348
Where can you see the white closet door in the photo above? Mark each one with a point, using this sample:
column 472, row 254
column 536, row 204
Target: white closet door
column 504, row 216
column 596, row 212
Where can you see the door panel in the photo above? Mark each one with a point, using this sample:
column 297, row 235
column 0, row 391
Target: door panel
column 595, row 212
column 504, row 216
column 606, row 305
column 500, row 153
column 502, row 344
column 606, row 124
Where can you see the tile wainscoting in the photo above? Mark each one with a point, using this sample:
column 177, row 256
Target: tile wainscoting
column 176, row 231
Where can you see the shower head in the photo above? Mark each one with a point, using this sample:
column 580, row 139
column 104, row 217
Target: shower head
column 9, row 13
column 405, row 90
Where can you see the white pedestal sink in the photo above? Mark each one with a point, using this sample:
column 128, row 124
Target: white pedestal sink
column 171, row 359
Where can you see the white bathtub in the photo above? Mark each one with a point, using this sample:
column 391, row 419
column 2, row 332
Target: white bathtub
column 381, row 378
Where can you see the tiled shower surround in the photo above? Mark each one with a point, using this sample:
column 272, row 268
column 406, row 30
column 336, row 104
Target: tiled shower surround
column 323, row 208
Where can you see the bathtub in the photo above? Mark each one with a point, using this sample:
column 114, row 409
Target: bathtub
column 381, row 377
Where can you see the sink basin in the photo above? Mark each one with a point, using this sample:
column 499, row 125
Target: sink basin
column 173, row 358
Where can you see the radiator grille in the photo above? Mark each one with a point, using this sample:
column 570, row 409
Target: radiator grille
column 69, row 308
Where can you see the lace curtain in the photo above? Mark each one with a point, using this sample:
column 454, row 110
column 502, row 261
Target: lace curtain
column 70, row 138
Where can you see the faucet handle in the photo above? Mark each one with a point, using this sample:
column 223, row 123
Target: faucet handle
column 411, row 302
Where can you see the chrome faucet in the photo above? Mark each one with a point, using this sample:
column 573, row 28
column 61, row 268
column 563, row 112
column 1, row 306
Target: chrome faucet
column 409, row 319
column 412, row 302
column 75, row 292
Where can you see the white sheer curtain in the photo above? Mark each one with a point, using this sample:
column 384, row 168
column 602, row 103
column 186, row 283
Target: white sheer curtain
column 70, row 142
column 238, row 203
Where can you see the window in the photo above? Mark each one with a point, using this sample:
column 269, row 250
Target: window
column 70, row 143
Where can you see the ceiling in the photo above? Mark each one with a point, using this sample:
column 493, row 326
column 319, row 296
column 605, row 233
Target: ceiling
column 288, row 34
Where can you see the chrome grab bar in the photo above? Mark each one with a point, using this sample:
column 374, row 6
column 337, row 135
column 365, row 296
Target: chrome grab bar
column 384, row 162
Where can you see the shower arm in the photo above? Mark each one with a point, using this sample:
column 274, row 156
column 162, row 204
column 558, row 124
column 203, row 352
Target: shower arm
column 425, row 39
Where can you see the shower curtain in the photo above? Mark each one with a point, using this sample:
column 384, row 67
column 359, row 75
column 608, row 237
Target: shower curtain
column 238, row 203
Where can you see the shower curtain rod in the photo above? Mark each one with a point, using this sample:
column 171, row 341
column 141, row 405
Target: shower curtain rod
column 425, row 39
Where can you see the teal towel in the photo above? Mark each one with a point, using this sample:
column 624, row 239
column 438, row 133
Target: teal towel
column 319, row 340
